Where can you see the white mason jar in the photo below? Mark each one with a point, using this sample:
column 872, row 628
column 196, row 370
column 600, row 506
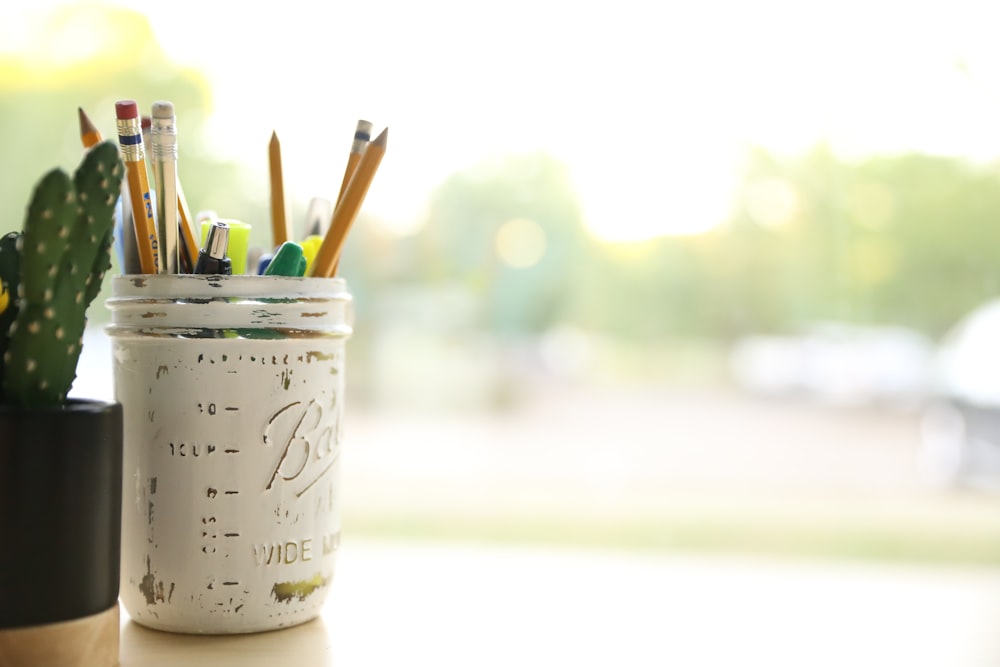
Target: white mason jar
column 232, row 389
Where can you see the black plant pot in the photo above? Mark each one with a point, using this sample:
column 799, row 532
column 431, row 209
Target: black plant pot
column 60, row 522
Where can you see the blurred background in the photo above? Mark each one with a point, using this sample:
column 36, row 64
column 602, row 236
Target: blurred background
column 672, row 278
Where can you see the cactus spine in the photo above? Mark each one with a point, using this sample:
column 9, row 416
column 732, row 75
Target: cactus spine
column 64, row 253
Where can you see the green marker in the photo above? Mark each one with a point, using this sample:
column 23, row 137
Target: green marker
column 289, row 260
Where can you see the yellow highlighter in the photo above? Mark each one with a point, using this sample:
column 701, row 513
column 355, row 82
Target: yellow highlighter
column 309, row 249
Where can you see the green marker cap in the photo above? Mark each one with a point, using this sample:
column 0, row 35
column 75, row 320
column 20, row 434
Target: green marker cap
column 289, row 260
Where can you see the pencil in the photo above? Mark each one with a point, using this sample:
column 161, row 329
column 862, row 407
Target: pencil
column 279, row 218
column 89, row 134
column 362, row 135
column 164, row 134
column 188, row 235
column 189, row 232
column 325, row 263
column 130, row 139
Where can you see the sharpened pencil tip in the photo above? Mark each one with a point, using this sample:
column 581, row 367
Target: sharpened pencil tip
column 86, row 126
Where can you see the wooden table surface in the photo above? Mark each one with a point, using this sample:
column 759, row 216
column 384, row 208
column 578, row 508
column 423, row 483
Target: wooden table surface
column 411, row 603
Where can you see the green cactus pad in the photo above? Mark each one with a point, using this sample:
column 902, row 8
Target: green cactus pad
column 64, row 256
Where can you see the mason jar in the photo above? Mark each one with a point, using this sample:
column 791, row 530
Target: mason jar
column 232, row 391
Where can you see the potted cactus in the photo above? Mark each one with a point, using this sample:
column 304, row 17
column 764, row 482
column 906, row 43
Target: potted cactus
column 60, row 458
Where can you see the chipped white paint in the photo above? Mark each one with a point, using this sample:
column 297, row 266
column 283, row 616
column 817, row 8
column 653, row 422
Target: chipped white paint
column 232, row 389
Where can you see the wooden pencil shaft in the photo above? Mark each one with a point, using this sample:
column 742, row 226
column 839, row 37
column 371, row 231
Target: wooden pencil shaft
column 279, row 217
column 142, row 214
column 353, row 159
column 130, row 246
column 91, row 140
column 89, row 134
column 345, row 212
column 188, row 232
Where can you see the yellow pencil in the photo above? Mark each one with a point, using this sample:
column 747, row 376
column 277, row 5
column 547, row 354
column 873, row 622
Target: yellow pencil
column 89, row 134
column 130, row 139
column 279, row 218
column 189, row 232
column 328, row 255
column 362, row 135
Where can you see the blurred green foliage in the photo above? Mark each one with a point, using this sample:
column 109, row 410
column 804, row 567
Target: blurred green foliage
column 40, row 94
column 905, row 239
column 908, row 240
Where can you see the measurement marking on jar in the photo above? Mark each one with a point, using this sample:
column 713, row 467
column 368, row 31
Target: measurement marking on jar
column 232, row 493
column 230, row 534
column 231, row 451
column 194, row 450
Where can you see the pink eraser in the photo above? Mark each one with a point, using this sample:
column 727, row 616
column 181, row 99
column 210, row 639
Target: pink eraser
column 126, row 109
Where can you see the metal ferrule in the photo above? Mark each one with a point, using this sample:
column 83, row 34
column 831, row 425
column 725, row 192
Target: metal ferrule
column 362, row 135
column 164, row 134
column 130, row 139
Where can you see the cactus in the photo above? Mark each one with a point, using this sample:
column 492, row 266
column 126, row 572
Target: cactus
column 64, row 253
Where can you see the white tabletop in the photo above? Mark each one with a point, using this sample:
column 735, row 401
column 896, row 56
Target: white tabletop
column 407, row 603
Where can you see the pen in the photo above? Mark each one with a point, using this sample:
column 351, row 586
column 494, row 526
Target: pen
column 212, row 259
column 318, row 215
column 238, row 243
